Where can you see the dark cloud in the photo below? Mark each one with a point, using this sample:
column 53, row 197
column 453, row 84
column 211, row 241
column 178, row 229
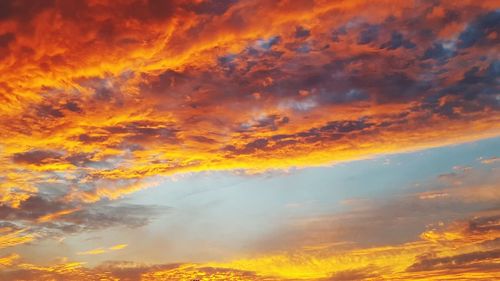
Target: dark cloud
column 258, row 144
column 6, row 39
column 160, row 9
column 80, row 159
column 82, row 217
column 302, row 32
column 476, row 92
column 74, row 9
column 105, row 215
column 23, row 10
column 486, row 77
column 438, row 52
column 73, row 106
column 347, row 126
column 165, row 82
column 479, row 30
column 37, row 157
column 464, row 261
column 269, row 43
column 271, row 122
column 147, row 10
column 251, row 147
column 86, row 138
column 43, row 157
column 145, row 131
column 397, row 40
column 328, row 96
column 352, row 275
column 203, row 139
column 31, row 209
column 400, row 87
column 211, row 7
column 48, row 111
column 330, row 132
column 368, row 34
column 337, row 34
column 483, row 224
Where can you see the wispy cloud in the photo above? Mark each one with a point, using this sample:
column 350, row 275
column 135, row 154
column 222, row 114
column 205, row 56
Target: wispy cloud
column 99, row 251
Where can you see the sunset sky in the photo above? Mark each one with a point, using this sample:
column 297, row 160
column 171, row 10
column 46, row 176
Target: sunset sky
column 249, row 140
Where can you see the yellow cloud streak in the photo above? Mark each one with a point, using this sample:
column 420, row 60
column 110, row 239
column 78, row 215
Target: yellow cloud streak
column 9, row 237
column 99, row 251
column 56, row 215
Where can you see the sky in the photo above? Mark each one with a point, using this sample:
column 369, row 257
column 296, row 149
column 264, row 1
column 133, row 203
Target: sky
column 249, row 140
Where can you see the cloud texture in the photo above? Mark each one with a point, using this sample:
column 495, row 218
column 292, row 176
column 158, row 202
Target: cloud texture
column 99, row 100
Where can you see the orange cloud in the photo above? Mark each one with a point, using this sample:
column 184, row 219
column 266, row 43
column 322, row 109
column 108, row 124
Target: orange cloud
column 9, row 260
column 56, row 215
column 463, row 250
column 12, row 237
column 135, row 94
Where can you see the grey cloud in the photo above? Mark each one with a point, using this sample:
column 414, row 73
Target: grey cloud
column 301, row 32
column 438, row 52
column 368, row 34
column 397, row 40
column 458, row 261
column 37, row 157
column 478, row 31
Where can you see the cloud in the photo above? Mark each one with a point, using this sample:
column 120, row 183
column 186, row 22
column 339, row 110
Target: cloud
column 12, row 237
column 489, row 161
column 397, row 40
column 480, row 29
column 36, row 157
column 471, row 254
column 301, row 32
column 9, row 260
column 118, row 247
column 93, row 112
column 457, row 261
column 368, row 35
column 56, row 215
column 99, row 251
column 39, row 218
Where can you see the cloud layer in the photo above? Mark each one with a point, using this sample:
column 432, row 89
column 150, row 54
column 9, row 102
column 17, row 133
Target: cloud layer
column 99, row 100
